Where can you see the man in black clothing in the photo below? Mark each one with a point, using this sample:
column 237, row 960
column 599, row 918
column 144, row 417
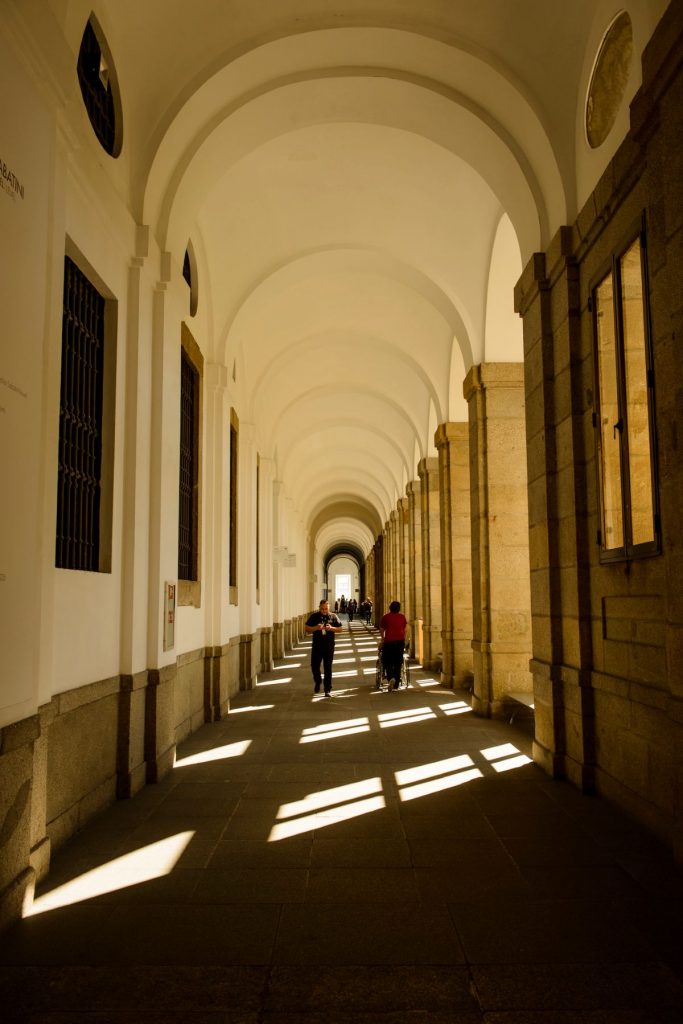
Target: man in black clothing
column 323, row 626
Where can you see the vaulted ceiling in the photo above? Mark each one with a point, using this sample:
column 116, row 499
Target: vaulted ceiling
column 361, row 184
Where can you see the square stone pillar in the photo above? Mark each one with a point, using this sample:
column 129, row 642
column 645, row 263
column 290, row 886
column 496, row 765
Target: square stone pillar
column 558, row 378
column 404, row 567
column 388, row 580
column 414, row 492
column 428, row 470
column 370, row 579
column 500, row 535
column 396, row 576
column 452, row 442
column 378, row 595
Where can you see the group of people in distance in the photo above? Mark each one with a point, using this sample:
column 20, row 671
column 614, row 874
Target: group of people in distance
column 323, row 626
column 351, row 607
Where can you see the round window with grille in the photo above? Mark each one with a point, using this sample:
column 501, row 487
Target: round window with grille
column 609, row 80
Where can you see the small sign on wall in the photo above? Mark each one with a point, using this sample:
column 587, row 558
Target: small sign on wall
column 169, row 616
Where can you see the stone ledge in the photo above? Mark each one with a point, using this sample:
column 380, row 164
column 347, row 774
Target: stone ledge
column 190, row 656
column 90, row 693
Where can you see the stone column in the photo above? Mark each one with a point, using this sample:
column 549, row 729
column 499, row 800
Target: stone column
column 428, row 470
column 278, row 595
column 413, row 491
column 387, row 567
column 265, row 589
column 500, row 535
column 394, row 533
column 378, row 596
column 404, row 567
column 370, row 577
column 452, row 442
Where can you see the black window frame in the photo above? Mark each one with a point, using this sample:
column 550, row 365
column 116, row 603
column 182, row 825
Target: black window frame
column 81, row 423
column 188, row 474
column 233, row 507
column 627, row 551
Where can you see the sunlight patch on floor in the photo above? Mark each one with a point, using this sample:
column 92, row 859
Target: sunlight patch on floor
column 333, row 730
column 458, row 707
column 436, row 777
column 327, row 807
column 439, row 785
column 428, row 771
column 215, row 754
column 251, row 707
column 134, row 868
column 503, row 750
column 273, row 682
column 407, row 717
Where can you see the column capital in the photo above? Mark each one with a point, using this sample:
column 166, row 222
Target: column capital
column 216, row 376
column 393, row 516
column 446, row 433
column 493, row 375
column 427, row 466
column 413, row 489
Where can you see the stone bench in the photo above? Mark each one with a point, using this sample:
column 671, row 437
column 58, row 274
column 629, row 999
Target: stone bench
column 519, row 700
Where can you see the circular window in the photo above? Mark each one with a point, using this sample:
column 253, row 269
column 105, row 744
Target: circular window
column 609, row 80
column 99, row 88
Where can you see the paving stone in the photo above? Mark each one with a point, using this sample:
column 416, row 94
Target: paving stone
column 361, row 933
column 579, row 986
column 379, row 988
column 511, row 899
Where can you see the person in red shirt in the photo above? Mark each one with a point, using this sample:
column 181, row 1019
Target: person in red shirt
column 393, row 629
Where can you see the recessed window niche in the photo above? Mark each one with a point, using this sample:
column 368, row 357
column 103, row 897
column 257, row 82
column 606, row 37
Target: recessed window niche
column 609, row 79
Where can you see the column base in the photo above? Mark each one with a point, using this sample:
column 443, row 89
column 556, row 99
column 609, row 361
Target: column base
column 16, row 896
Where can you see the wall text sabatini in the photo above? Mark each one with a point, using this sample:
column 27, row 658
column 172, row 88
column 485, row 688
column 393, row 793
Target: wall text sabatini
column 9, row 181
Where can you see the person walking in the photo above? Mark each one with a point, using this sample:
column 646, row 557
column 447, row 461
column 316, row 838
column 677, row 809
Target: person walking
column 367, row 610
column 323, row 626
column 393, row 629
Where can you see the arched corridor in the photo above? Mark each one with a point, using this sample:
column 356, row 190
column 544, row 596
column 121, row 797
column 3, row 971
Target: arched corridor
column 370, row 857
column 372, row 298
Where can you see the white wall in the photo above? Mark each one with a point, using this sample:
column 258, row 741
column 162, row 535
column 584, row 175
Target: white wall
column 24, row 230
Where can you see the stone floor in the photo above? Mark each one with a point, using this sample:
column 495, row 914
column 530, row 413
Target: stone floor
column 372, row 857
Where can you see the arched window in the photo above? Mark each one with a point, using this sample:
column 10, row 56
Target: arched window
column 190, row 275
column 99, row 88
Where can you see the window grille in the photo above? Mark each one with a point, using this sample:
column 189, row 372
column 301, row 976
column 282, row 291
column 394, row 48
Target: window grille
column 234, row 448
column 258, row 523
column 93, row 76
column 188, row 511
column 80, row 424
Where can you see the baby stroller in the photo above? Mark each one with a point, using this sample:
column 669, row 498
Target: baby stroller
column 381, row 681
